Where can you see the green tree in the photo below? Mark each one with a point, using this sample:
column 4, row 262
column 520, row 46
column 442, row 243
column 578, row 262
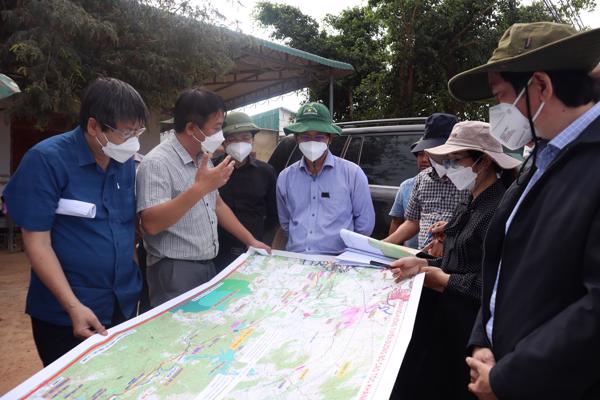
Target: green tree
column 54, row 48
column 405, row 51
column 355, row 37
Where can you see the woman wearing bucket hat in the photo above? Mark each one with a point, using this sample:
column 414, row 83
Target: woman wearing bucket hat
column 320, row 194
column 472, row 159
column 536, row 335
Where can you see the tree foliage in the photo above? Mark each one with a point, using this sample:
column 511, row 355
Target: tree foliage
column 357, row 39
column 54, row 48
column 405, row 51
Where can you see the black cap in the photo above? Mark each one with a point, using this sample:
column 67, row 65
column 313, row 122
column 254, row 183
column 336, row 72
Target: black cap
column 437, row 130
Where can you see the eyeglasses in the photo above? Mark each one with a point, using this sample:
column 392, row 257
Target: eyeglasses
column 451, row 163
column 310, row 138
column 127, row 133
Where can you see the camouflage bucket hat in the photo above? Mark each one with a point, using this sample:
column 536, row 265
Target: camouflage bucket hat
column 537, row 46
column 313, row 117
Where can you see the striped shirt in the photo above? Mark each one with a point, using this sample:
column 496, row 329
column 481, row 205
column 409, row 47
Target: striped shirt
column 164, row 173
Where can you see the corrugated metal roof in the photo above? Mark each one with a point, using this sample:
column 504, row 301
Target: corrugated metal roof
column 306, row 55
column 264, row 69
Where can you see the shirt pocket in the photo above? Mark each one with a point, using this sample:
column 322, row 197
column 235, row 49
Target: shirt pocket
column 335, row 208
column 124, row 204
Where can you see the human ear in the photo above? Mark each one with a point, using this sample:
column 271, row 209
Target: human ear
column 544, row 86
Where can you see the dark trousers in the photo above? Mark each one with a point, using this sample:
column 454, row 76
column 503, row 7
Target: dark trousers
column 434, row 366
column 144, row 304
column 52, row 341
column 168, row 278
column 227, row 254
column 414, row 367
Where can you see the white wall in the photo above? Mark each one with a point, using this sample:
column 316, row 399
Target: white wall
column 285, row 118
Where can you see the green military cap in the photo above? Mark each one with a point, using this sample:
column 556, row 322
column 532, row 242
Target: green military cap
column 236, row 122
column 313, row 117
column 537, row 46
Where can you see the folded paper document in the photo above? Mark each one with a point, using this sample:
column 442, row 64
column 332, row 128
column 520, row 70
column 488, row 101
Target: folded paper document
column 76, row 208
column 361, row 250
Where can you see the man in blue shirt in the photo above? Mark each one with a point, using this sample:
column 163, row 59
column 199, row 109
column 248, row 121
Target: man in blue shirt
column 321, row 194
column 84, row 277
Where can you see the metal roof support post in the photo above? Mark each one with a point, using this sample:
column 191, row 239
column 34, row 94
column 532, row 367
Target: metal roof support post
column 331, row 94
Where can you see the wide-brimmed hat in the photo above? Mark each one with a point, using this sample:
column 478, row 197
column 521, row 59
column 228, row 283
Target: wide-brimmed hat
column 437, row 129
column 537, row 46
column 474, row 135
column 313, row 117
column 236, row 122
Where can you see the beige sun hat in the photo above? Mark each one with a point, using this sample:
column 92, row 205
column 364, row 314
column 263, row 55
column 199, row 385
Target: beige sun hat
column 474, row 135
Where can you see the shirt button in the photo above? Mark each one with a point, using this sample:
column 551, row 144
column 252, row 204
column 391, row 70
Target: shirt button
column 313, row 215
column 310, row 232
column 314, row 197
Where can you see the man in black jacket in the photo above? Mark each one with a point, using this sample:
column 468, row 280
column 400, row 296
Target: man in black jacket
column 250, row 191
column 537, row 335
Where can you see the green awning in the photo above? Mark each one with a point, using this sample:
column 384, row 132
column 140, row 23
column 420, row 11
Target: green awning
column 264, row 69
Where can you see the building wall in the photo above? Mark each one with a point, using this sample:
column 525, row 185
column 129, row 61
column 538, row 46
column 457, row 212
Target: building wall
column 151, row 137
column 286, row 117
column 264, row 144
column 4, row 147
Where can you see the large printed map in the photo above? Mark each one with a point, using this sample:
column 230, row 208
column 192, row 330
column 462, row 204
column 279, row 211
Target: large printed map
column 286, row 326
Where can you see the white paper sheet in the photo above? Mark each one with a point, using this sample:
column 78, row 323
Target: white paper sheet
column 76, row 208
column 353, row 257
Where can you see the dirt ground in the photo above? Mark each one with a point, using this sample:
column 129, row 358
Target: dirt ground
column 18, row 356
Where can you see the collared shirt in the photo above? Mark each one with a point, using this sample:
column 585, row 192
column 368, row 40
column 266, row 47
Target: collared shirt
column 463, row 245
column 164, row 173
column 96, row 254
column 543, row 159
column 400, row 205
column 250, row 193
column 314, row 209
column 432, row 199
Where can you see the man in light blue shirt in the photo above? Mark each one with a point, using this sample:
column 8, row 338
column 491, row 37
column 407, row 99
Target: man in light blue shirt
column 321, row 194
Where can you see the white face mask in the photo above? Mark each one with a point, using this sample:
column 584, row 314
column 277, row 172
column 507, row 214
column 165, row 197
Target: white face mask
column 439, row 168
column 120, row 152
column 509, row 126
column 313, row 150
column 212, row 142
column 463, row 178
column 239, row 150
